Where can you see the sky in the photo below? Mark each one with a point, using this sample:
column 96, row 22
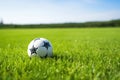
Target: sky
column 58, row 11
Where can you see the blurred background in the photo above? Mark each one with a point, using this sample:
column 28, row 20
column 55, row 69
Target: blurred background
column 22, row 12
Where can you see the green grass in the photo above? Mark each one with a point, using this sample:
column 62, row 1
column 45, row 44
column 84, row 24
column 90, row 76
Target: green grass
column 79, row 54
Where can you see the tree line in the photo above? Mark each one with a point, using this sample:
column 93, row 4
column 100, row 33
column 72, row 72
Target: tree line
column 111, row 23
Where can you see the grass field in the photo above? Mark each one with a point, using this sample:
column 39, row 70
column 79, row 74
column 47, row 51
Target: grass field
column 79, row 54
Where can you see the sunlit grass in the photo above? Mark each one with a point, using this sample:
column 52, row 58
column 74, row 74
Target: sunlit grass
column 86, row 54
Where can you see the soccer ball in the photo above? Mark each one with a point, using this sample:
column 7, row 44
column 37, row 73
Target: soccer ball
column 40, row 47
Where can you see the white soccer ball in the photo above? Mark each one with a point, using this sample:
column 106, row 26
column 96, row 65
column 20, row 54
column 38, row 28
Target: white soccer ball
column 40, row 47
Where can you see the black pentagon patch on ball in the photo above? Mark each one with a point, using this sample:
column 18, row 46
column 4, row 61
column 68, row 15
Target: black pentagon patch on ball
column 46, row 44
column 33, row 50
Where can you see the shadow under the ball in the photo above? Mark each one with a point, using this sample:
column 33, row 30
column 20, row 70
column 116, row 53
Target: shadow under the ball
column 63, row 57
